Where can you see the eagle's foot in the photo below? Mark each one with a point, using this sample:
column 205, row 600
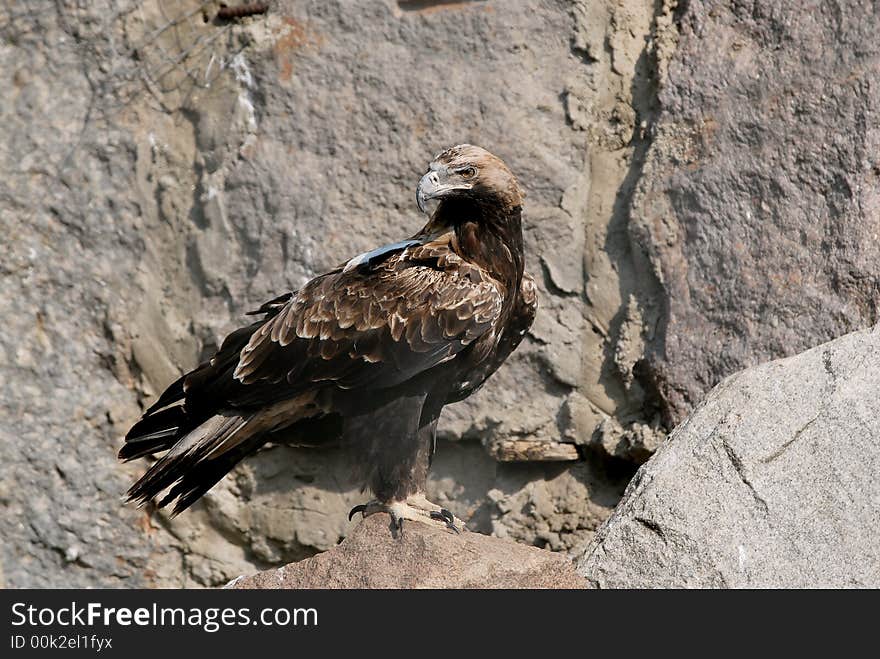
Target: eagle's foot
column 415, row 508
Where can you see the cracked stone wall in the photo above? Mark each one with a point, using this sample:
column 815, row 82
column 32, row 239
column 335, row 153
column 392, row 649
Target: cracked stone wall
column 165, row 171
column 758, row 210
column 702, row 186
column 758, row 207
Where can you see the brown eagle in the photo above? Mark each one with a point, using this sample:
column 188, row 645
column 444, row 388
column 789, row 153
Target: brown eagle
column 367, row 354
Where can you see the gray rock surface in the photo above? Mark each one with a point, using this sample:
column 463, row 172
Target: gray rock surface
column 423, row 557
column 758, row 206
column 771, row 482
column 163, row 172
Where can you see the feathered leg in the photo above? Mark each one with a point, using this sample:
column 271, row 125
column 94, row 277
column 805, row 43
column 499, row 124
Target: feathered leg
column 397, row 455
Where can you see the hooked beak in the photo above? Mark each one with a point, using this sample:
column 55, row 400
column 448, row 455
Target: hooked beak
column 433, row 187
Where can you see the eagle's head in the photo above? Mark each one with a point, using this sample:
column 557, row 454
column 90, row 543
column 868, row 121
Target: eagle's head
column 467, row 172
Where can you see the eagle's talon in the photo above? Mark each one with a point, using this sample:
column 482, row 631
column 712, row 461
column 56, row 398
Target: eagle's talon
column 443, row 515
column 360, row 508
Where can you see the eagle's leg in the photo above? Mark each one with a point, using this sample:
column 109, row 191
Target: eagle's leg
column 397, row 441
column 415, row 508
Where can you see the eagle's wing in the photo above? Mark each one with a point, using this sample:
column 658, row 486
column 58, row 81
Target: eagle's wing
column 372, row 324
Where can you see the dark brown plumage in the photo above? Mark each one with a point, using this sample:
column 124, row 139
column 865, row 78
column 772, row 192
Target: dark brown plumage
column 367, row 354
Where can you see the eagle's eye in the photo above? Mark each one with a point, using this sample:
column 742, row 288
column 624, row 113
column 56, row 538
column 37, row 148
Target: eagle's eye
column 467, row 172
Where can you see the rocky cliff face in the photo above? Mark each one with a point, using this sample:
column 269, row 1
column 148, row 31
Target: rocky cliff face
column 702, row 195
column 758, row 207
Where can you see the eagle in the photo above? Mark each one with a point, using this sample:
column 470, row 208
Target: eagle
column 366, row 355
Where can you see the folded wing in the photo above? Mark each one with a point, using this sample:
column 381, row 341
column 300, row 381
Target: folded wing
column 375, row 325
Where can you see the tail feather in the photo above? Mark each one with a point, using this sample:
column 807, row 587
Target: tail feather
column 156, row 432
column 201, row 439
column 148, row 445
column 172, row 394
column 200, row 478
column 197, row 461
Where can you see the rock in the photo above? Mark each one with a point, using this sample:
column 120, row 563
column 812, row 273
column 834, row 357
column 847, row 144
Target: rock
column 424, row 557
column 770, row 483
column 758, row 203
column 517, row 450
column 636, row 442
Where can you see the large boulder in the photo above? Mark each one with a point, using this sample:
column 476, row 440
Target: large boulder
column 422, row 557
column 771, row 482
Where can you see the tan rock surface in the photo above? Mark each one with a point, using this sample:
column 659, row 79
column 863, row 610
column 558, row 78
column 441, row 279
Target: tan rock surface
column 424, row 557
